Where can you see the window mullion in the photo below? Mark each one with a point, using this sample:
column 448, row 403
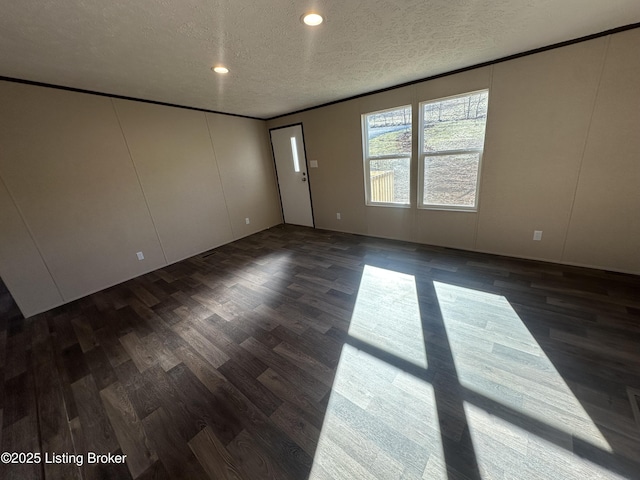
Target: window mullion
column 451, row 152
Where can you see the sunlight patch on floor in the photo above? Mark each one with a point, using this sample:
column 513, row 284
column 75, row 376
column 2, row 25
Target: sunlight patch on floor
column 496, row 356
column 381, row 423
column 387, row 316
column 503, row 449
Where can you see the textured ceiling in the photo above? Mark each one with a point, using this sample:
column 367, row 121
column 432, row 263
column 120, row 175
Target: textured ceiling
column 163, row 50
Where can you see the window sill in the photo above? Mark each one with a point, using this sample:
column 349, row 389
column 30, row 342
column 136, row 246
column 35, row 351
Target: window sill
column 446, row 208
column 389, row 205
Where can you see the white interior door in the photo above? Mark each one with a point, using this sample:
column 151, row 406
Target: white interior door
column 291, row 166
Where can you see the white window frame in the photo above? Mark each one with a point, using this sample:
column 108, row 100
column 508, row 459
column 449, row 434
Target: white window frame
column 367, row 159
column 422, row 155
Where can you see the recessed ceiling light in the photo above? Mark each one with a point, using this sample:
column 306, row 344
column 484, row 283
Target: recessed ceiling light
column 220, row 69
column 312, row 19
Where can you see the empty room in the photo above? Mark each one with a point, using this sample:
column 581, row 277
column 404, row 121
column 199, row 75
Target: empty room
column 320, row 240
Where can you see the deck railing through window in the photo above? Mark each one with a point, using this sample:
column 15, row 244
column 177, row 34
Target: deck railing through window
column 382, row 186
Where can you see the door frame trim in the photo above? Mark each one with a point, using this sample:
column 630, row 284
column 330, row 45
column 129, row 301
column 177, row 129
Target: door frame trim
column 306, row 160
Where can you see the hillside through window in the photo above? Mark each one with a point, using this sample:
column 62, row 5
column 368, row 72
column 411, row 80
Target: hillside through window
column 451, row 144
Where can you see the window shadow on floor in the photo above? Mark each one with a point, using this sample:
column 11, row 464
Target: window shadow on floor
column 547, row 434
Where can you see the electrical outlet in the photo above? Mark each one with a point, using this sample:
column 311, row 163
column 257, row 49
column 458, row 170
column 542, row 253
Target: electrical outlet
column 338, row 216
column 246, row 220
column 140, row 256
column 537, row 234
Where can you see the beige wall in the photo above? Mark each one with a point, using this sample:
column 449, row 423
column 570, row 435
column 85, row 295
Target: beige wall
column 605, row 221
column 172, row 153
column 561, row 155
column 540, row 113
column 23, row 270
column 237, row 144
column 88, row 181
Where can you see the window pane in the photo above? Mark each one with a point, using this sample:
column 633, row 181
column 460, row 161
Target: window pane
column 389, row 133
column 451, row 179
column 390, row 180
column 294, row 154
column 455, row 124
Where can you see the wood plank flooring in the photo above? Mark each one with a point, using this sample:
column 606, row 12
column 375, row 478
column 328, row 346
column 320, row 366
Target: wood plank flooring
column 298, row 353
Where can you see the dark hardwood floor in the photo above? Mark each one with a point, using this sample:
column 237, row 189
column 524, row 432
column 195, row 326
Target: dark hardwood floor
column 298, row 353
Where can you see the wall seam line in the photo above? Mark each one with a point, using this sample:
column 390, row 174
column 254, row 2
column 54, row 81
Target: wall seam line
column 215, row 159
column 33, row 239
column 584, row 146
column 477, row 225
column 144, row 195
